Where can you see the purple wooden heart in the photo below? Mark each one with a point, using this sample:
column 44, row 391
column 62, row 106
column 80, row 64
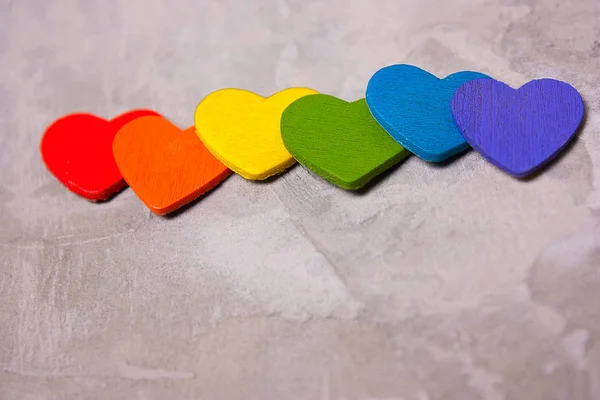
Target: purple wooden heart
column 517, row 130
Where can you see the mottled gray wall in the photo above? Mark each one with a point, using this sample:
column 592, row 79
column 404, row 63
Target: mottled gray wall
column 438, row 283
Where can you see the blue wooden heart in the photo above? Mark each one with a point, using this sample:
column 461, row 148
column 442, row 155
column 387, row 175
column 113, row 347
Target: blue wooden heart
column 518, row 130
column 413, row 106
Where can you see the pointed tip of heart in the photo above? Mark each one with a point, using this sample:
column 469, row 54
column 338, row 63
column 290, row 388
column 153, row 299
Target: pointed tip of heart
column 163, row 210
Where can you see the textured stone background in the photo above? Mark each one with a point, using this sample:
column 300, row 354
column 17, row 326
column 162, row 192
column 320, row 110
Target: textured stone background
column 453, row 282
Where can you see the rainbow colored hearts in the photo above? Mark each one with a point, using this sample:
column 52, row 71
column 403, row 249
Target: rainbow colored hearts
column 338, row 141
column 413, row 106
column 520, row 130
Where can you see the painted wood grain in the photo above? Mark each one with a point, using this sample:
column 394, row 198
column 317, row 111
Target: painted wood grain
column 242, row 129
column 165, row 166
column 338, row 141
column 413, row 106
column 519, row 131
column 77, row 150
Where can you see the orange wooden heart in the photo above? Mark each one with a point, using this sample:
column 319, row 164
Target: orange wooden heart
column 165, row 166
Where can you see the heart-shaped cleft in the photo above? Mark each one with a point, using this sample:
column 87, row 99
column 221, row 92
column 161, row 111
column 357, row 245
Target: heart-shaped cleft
column 521, row 130
column 77, row 150
column 413, row 106
column 165, row 166
column 339, row 141
column 242, row 129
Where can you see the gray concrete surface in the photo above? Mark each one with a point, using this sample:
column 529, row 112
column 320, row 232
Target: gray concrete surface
column 438, row 283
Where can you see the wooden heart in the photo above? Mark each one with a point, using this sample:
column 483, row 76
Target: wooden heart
column 242, row 129
column 413, row 106
column 77, row 150
column 165, row 166
column 519, row 131
column 338, row 141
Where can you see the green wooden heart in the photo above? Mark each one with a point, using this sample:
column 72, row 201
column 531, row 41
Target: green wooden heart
column 338, row 141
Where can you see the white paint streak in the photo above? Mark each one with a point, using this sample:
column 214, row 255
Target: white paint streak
column 134, row 372
column 575, row 344
column 124, row 371
column 284, row 8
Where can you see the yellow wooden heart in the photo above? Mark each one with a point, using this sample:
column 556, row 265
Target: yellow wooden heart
column 242, row 130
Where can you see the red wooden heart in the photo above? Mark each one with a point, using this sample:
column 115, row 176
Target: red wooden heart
column 77, row 149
